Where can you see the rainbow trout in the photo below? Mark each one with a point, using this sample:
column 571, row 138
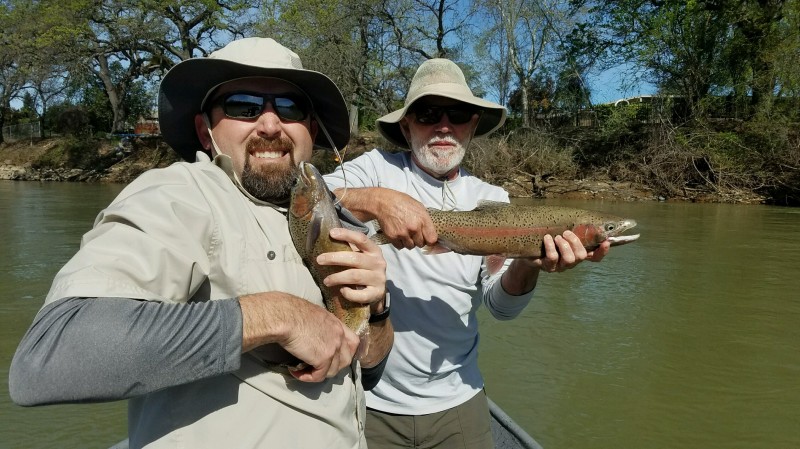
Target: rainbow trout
column 311, row 217
column 510, row 230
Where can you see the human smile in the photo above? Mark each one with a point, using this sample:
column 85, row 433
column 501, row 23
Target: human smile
column 268, row 154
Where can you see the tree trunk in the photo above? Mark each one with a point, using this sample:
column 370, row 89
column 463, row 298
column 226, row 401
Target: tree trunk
column 115, row 94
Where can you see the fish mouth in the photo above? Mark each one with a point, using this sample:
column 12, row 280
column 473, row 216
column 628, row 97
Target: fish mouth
column 624, row 226
column 306, row 176
column 622, row 239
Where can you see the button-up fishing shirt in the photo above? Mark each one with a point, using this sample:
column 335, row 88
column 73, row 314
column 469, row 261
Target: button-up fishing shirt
column 188, row 234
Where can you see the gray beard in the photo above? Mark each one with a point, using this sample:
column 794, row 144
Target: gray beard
column 274, row 186
column 441, row 167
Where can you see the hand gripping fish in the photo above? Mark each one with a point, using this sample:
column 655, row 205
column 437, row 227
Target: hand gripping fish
column 311, row 217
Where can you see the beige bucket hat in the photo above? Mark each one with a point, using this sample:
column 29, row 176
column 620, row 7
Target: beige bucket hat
column 185, row 87
column 442, row 78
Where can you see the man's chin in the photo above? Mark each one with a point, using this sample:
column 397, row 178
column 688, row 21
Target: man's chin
column 269, row 182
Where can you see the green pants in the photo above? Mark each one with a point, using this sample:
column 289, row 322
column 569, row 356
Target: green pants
column 462, row 427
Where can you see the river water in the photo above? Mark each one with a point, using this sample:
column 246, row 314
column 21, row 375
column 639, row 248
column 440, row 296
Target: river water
column 688, row 338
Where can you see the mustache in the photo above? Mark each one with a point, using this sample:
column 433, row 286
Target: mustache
column 283, row 144
column 445, row 138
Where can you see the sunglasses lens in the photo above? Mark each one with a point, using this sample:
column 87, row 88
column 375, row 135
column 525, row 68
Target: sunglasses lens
column 290, row 109
column 243, row 106
column 459, row 116
column 428, row 115
column 431, row 115
column 250, row 106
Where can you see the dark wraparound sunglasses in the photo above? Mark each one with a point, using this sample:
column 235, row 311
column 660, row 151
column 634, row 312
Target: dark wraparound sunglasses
column 431, row 115
column 250, row 105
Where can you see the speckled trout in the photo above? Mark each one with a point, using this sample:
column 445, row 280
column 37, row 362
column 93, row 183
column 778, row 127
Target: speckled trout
column 311, row 217
column 512, row 230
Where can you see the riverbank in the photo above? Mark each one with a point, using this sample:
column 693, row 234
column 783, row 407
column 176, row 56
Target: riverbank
column 122, row 161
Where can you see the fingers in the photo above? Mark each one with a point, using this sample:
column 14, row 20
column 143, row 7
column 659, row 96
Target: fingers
column 598, row 254
column 326, row 353
column 356, row 238
column 364, row 278
column 549, row 262
column 565, row 251
column 408, row 224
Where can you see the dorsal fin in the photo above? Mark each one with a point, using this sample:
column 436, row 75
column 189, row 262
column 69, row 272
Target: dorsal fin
column 489, row 205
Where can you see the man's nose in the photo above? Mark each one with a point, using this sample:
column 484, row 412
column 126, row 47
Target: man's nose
column 268, row 122
column 444, row 125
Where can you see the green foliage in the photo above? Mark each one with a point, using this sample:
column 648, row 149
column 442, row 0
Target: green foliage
column 73, row 153
column 70, row 120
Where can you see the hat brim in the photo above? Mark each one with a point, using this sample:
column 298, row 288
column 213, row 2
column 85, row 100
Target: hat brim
column 185, row 86
column 493, row 116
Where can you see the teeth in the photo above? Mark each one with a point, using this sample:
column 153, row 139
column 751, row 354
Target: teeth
column 268, row 154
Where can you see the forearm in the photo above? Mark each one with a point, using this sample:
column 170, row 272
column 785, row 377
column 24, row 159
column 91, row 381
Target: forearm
column 363, row 202
column 103, row 349
column 264, row 318
column 507, row 297
column 381, row 339
column 520, row 277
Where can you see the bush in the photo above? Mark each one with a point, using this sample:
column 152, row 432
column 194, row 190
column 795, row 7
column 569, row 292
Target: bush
column 527, row 152
column 72, row 121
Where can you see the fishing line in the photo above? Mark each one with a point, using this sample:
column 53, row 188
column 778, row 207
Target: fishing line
column 446, row 186
column 339, row 157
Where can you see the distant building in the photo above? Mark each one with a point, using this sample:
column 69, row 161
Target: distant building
column 147, row 127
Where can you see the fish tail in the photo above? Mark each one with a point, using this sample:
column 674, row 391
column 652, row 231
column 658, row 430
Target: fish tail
column 363, row 346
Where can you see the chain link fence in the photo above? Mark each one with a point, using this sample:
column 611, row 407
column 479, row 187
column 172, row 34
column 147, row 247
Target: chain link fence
column 22, row 131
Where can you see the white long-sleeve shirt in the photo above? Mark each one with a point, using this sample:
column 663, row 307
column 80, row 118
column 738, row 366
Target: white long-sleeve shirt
column 433, row 365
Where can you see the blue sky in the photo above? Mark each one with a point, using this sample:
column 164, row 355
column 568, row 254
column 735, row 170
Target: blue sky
column 615, row 84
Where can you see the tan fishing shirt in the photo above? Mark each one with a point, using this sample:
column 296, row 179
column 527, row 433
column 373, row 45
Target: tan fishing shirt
column 187, row 233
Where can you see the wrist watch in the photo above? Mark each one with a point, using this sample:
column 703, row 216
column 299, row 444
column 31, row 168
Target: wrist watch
column 380, row 316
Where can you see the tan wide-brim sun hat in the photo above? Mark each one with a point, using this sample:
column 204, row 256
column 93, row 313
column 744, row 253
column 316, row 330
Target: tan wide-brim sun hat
column 442, row 78
column 185, row 86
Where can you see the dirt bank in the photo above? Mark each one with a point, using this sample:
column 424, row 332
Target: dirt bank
column 55, row 159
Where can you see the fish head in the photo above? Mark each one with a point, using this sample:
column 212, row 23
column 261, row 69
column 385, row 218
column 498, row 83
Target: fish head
column 308, row 191
column 594, row 232
column 614, row 231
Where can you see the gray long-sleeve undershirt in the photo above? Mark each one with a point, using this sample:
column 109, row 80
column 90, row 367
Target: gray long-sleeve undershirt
column 104, row 349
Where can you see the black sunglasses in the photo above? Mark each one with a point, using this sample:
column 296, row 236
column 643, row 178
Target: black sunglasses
column 250, row 105
column 431, row 115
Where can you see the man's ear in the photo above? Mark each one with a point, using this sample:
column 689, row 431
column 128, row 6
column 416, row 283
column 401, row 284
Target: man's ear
column 201, row 126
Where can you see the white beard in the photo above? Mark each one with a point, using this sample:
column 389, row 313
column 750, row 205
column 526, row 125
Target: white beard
column 440, row 161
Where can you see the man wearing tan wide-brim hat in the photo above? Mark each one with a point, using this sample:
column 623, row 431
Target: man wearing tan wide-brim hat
column 431, row 391
column 189, row 299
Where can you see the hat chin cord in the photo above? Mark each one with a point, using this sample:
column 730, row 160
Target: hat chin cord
column 215, row 151
column 339, row 157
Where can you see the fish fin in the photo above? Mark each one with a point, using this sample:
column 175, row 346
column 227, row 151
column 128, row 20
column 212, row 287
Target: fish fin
column 494, row 262
column 489, row 205
column 432, row 250
column 380, row 239
column 374, row 224
column 314, row 229
column 363, row 347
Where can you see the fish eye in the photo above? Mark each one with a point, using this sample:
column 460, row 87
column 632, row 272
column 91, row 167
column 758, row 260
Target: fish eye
column 610, row 227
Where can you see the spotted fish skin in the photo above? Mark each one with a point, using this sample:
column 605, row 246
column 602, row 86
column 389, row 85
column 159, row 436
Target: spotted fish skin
column 512, row 230
column 311, row 217
column 518, row 230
